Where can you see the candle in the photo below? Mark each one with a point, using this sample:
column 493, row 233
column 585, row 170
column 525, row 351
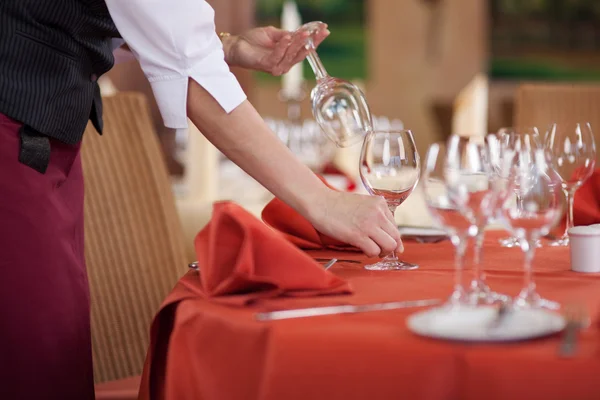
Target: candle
column 292, row 80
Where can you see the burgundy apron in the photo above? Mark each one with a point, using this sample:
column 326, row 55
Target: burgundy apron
column 45, row 340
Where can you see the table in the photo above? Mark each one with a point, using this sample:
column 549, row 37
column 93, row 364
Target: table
column 221, row 352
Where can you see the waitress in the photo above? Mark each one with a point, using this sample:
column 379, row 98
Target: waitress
column 51, row 55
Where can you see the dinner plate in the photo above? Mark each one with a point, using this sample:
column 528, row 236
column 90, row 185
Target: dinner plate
column 480, row 324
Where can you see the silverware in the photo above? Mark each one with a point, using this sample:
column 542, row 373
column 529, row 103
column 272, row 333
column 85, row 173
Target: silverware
column 577, row 318
column 342, row 309
column 329, row 264
column 318, row 259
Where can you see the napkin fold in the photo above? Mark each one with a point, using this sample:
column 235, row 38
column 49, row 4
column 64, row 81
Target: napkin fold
column 586, row 210
column 241, row 260
column 297, row 229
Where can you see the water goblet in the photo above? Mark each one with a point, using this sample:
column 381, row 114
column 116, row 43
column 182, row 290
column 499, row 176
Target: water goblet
column 390, row 167
column 531, row 177
column 470, row 182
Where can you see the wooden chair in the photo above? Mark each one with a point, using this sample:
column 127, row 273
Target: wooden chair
column 541, row 105
column 134, row 244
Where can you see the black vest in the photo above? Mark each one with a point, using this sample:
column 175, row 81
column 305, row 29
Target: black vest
column 51, row 55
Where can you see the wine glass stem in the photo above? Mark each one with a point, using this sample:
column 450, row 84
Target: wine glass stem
column 392, row 256
column 477, row 256
column 460, row 245
column 528, row 246
column 316, row 64
column 570, row 196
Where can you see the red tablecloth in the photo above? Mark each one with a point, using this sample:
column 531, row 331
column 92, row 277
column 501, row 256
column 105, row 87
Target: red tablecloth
column 203, row 350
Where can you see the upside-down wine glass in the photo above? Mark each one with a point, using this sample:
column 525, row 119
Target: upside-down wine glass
column 531, row 174
column 446, row 212
column 470, row 184
column 390, row 167
column 339, row 106
column 574, row 152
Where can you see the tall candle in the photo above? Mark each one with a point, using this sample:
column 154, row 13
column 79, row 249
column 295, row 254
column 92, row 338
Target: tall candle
column 292, row 80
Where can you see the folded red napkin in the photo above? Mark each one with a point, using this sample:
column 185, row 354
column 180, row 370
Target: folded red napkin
column 240, row 260
column 586, row 210
column 298, row 229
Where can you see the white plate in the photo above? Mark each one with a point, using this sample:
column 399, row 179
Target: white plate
column 418, row 231
column 476, row 324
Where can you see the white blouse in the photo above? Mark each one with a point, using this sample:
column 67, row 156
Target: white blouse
column 175, row 40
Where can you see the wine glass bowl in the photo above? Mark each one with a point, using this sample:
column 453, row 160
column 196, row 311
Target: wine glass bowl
column 390, row 168
column 341, row 111
column 339, row 107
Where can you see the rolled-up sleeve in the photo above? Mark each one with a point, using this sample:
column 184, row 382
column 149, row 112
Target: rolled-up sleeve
column 175, row 41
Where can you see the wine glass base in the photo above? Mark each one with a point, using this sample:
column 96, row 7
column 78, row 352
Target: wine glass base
column 480, row 294
column 458, row 298
column 562, row 242
column 509, row 242
column 514, row 242
column 391, row 265
column 531, row 299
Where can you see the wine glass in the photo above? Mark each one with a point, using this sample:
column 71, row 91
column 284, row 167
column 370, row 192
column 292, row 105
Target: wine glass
column 470, row 183
column 444, row 209
column 574, row 152
column 507, row 137
column 390, row 167
column 339, row 106
column 530, row 176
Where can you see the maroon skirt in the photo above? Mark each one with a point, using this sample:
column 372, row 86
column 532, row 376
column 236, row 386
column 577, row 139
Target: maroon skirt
column 45, row 340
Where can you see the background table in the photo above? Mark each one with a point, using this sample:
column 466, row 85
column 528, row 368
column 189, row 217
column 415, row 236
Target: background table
column 220, row 352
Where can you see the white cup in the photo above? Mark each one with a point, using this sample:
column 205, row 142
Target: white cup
column 584, row 243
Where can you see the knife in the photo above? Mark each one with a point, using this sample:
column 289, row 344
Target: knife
column 342, row 309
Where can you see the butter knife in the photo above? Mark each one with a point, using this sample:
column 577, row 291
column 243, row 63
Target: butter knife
column 342, row 309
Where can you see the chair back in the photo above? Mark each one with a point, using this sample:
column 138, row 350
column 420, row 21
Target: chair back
column 133, row 240
column 541, row 105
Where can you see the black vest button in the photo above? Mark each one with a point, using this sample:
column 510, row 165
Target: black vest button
column 93, row 77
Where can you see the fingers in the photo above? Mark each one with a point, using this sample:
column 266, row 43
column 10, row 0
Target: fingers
column 391, row 229
column 386, row 243
column 297, row 51
column 320, row 36
column 278, row 54
column 369, row 247
column 295, row 47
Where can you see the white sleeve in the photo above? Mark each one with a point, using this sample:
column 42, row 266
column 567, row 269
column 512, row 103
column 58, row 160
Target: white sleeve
column 175, row 41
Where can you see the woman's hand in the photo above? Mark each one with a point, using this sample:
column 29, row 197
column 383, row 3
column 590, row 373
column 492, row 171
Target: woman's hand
column 360, row 220
column 269, row 49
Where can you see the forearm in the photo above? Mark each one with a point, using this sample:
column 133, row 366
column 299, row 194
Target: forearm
column 245, row 139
